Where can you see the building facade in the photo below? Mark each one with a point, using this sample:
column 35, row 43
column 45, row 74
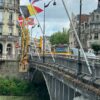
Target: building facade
column 84, row 31
column 90, row 29
column 9, row 11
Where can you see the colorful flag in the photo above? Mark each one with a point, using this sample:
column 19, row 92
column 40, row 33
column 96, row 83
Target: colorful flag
column 30, row 21
column 33, row 1
column 30, row 10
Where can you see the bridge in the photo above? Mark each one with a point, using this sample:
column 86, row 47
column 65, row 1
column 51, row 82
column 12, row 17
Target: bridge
column 61, row 77
column 62, row 80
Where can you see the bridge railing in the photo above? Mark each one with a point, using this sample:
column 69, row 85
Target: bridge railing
column 71, row 63
column 8, row 57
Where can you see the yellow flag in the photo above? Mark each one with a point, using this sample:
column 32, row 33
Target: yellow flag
column 31, row 10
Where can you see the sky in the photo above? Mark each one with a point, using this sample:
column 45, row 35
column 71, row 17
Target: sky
column 56, row 17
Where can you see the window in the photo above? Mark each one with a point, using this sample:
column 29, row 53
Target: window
column 10, row 16
column 10, row 1
column 1, row 2
column 96, row 36
column 96, row 26
column 10, row 31
column 0, row 30
column 90, row 37
column 97, row 17
column 1, row 16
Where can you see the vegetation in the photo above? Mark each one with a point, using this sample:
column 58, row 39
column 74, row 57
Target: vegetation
column 96, row 47
column 12, row 87
column 60, row 38
column 15, row 87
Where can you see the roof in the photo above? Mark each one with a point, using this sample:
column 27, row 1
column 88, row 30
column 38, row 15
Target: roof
column 84, row 18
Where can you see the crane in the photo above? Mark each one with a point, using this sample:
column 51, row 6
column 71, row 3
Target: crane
column 25, row 42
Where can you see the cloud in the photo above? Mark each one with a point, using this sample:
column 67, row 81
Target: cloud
column 24, row 2
column 56, row 17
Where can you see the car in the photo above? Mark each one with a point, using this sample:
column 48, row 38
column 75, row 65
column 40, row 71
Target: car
column 74, row 52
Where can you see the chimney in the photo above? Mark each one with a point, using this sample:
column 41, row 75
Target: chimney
column 99, row 4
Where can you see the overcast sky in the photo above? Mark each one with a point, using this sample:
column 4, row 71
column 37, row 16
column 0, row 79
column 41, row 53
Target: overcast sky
column 56, row 17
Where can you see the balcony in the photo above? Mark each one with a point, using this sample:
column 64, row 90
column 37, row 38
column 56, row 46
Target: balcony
column 10, row 22
column 8, row 38
column 9, row 6
column 12, row 38
column 2, row 38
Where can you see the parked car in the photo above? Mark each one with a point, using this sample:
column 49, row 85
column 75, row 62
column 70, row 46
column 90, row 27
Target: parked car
column 74, row 52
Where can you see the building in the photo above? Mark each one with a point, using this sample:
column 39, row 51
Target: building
column 84, row 27
column 94, row 23
column 90, row 29
column 37, row 45
column 9, row 11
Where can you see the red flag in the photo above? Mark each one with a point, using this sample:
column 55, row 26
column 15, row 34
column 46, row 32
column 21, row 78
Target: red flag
column 30, row 21
column 37, row 9
column 33, row 1
column 17, row 45
column 20, row 20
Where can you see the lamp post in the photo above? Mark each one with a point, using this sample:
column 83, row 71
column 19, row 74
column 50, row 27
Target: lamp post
column 31, row 31
column 45, row 5
column 79, row 70
column 31, row 36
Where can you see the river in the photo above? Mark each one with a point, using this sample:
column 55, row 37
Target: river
column 15, row 98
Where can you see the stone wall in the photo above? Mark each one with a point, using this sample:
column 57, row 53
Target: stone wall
column 11, row 69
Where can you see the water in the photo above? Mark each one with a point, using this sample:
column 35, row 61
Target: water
column 80, row 98
column 16, row 98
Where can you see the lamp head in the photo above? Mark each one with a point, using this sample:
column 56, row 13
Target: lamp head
column 33, row 26
column 38, row 25
column 54, row 3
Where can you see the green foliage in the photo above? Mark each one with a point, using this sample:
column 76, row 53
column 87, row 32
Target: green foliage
column 96, row 47
column 59, row 38
column 12, row 87
column 15, row 87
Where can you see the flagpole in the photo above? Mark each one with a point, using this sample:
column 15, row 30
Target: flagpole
column 79, row 68
column 44, row 37
column 88, row 65
column 35, row 45
column 43, row 31
column 46, row 5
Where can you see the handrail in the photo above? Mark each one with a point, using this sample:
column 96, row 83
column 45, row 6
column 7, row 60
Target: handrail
column 8, row 57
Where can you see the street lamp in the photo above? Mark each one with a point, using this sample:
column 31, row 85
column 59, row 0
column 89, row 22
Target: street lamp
column 79, row 70
column 45, row 5
column 31, row 31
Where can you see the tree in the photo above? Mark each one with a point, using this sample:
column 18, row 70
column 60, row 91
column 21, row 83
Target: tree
column 96, row 47
column 59, row 38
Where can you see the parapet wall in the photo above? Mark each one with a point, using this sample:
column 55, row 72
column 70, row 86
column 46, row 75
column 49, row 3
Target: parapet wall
column 11, row 69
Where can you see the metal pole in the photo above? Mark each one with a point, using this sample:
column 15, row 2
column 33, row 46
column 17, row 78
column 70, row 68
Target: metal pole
column 75, row 32
column 35, row 44
column 44, row 37
column 79, row 69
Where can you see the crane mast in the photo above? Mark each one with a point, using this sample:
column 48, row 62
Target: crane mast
column 25, row 42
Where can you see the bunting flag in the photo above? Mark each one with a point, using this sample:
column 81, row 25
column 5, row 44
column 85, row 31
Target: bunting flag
column 30, row 21
column 30, row 10
column 33, row 1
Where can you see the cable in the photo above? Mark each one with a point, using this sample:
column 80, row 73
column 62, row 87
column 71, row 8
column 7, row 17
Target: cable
column 41, row 29
column 89, row 68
